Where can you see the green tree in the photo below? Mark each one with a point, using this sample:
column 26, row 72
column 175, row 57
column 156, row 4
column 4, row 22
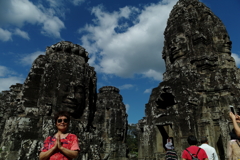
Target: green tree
column 132, row 139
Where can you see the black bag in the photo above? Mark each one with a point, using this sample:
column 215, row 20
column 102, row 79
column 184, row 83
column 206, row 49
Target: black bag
column 193, row 158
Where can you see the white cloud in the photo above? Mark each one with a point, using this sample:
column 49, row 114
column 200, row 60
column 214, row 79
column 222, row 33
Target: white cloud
column 55, row 3
column 3, row 71
column 148, row 90
column 5, row 35
column 126, row 86
column 77, row 2
column 8, row 78
column 127, row 107
column 5, row 83
column 237, row 59
column 21, row 12
column 29, row 58
column 51, row 27
column 130, row 40
column 21, row 34
column 154, row 74
column 57, row 7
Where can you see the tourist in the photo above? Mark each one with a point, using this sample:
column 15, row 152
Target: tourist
column 211, row 152
column 193, row 150
column 171, row 154
column 235, row 119
column 233, row 147
column 62, row 145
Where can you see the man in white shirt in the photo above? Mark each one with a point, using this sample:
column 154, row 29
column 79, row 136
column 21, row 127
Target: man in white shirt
column 211, row 152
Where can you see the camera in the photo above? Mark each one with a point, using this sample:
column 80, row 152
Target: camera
column 231, row 109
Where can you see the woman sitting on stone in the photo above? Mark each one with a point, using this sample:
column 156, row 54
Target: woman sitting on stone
column 62, row 145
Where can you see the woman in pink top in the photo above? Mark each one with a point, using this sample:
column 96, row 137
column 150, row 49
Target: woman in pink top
column 63, row 145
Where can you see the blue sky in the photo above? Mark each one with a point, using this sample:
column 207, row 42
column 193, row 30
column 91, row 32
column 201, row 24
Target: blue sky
column 123, row 37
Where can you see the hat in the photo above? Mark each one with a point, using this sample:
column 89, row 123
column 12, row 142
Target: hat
column 169, row 145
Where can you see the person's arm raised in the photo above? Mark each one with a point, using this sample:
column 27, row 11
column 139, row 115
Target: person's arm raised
column 235, row 119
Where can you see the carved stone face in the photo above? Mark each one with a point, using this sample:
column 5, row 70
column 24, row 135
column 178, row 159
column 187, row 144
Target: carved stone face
column 178, row 47
column 73, row 99
column 63, row 86
column 222, row 40
column 223, row 43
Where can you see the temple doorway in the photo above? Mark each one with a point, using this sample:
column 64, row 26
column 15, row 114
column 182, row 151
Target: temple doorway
column 162, row 134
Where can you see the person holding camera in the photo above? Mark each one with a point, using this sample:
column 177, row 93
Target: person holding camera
column 235, row 119
column 233, row 146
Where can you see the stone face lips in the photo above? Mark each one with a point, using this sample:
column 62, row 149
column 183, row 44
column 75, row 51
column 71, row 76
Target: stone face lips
column 59, row 80
column 200, row 82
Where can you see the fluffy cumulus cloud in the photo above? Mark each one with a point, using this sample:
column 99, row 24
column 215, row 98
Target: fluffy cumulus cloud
column 7, row 78
column 5, row 35
column 3, row 71
column 21, row 33
column 17, row 13
column 29, row 58
column 129, row 41
column 5, row 83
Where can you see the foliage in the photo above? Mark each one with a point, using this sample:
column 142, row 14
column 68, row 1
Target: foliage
column 132, row 139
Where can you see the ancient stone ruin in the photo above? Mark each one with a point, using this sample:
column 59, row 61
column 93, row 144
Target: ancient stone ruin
column 200, row 82
column 62, row 80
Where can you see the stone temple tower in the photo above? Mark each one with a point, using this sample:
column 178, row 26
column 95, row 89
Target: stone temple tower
column 200, row 82
column 62, row 80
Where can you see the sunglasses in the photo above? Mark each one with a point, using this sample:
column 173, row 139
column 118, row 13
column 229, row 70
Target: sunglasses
column 64, row 120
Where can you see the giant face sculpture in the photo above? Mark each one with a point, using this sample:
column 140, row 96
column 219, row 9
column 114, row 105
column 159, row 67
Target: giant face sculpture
column 63, row 83
column 223, row 43
column 73, row 100
column 178, row 47
column 221, row 40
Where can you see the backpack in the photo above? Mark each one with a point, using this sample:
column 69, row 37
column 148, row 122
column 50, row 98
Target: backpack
column 193, row 158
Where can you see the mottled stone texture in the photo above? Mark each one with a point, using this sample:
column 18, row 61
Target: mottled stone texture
column 200, row 82
column 61, row 80
column 111, row 119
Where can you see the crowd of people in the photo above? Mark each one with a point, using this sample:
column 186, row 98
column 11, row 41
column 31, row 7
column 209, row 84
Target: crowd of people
column 205, row 151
